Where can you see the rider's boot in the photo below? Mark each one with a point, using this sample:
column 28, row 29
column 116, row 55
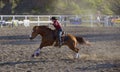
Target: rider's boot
column 60, row 44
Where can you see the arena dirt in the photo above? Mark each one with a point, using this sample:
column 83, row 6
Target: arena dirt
column 102, row 56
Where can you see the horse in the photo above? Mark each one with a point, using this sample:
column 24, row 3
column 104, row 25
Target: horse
column 49, row 39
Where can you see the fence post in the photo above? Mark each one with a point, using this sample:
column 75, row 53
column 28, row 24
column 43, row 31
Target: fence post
column 13, row 18
column 91, row 20
column 49, row 20
column 25, row 17
column 1, row 17
column 106, row 21
column 38, row 20
column 1, row 25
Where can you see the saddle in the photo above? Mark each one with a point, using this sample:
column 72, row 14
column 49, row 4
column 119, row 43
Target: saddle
column 64, row 38
column 55, row 34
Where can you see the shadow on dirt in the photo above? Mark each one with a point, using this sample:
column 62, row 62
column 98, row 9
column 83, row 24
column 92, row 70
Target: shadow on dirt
column 23, row 62
column 99, row 66
column 14, row 37
column 24, row 39
column 18, row 40
column 102, row 37
column 105, row 65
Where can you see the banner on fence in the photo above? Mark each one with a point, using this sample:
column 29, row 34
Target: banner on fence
column 26, row 23
column 15, row 22
column 75, row 21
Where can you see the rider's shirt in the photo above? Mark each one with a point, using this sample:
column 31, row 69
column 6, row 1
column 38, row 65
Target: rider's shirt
column 57, row 25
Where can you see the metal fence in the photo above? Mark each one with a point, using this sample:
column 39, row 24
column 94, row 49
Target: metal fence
column 66, row 20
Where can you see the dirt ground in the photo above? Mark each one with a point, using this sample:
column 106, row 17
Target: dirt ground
column 102, row 56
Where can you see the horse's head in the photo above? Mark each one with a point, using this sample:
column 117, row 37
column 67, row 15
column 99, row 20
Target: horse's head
column 42, row 30
column 35, row 32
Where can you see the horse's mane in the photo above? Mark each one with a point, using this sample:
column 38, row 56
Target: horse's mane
column 44, row 26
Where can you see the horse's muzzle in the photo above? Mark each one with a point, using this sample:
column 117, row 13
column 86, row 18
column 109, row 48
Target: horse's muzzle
column 30, row 37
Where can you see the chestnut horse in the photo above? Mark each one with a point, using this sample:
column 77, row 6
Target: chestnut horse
column 49, row 39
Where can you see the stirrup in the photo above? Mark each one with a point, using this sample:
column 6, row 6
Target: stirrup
column 60, row 44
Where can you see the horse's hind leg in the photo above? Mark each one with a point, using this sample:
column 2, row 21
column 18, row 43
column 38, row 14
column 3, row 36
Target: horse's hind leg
column 76, row 50
column 77, row 53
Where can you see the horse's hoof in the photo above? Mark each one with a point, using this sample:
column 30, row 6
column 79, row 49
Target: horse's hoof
column 37, row 54
column 32, row 55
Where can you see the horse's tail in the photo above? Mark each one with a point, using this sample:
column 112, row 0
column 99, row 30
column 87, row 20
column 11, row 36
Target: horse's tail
column 81, row 40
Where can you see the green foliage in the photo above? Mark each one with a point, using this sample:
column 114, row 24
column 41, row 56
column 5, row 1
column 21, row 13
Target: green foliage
column 114, row 5
column 59, row 6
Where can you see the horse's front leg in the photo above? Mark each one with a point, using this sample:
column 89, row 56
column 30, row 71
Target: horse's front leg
column 43, row 44
column 36, row 52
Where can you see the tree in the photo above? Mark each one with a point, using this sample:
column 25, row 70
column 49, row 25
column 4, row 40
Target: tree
column 7, row 8
column 59, row 6
column 34, row 6
column 115, row 6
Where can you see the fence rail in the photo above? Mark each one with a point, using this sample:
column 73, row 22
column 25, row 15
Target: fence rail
column 66, row 20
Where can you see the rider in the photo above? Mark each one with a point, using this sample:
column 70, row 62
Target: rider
column 58, row 27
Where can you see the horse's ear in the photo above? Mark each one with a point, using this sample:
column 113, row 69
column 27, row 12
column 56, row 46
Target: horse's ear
column 37, row 27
